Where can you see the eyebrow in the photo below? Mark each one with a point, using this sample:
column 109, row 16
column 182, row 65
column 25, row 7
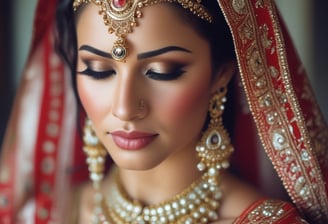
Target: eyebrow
column 139, row 56
column 95, row 51
column 161, row 51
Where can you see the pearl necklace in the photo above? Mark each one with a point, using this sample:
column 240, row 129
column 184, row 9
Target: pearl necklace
column 198, row 203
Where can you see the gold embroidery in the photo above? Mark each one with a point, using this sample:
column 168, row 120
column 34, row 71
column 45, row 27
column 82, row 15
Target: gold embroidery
column 274, row 72
column 259, row 4
column 309, row 184
column 256, row 63
column 265, row 39
column 246, row 31
column 239, row 6
column 318, row 130
column 267, row 212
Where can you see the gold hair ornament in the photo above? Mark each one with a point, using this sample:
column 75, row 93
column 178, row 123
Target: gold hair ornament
column 121, row 17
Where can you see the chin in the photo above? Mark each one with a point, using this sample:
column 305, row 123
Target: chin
column 137, row 164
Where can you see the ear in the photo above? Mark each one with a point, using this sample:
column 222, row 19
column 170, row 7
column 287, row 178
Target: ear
column 223, row 75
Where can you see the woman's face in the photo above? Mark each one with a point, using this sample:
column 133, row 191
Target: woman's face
column 153, row 106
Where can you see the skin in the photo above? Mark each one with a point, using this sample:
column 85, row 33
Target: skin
column 174, row 111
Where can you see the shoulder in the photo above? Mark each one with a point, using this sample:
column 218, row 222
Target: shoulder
column 237, row 196
column 244, row 204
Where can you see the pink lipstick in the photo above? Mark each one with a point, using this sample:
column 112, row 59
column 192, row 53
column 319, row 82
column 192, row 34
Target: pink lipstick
column 132, row 140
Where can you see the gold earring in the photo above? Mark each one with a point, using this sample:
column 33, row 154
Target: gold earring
column 96, row 157
column 96, row 154
column 215, row 148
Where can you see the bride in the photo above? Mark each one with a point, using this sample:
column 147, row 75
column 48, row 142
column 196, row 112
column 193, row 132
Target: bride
column 157, row 85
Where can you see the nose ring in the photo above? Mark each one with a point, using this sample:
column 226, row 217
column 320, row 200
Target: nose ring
column 142, row 108
column 141, row 105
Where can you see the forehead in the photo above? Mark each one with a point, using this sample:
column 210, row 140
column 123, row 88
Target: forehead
column 160, row 24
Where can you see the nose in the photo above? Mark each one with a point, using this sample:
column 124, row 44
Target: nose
column 128, row 104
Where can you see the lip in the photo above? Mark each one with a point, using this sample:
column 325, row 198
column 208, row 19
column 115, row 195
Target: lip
column 133, row 140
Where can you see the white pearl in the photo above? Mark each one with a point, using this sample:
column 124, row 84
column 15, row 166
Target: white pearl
column 167, row 207
column 183, row 211
column 162, row 219
column 225, row 164
column 195, row 215
column 171, row 217
column 201, row 166
column 191, row 206
column 192, row 196
column 212, row 171
column 153, row 211
column 218, row 195
column 175, row 205
column 146, row 211
column 183, row 201
column 188, row 221
column 160, row 210
column 202, row 209
column 213, row 215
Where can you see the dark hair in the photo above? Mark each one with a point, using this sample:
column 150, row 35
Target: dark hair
column 217, row 33
column 65, row 36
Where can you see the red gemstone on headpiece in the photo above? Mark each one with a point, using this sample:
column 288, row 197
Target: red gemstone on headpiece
column 119, row 3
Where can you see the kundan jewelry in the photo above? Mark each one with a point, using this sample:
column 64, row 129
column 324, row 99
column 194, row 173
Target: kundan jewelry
column 121, row 17
column 215, row 148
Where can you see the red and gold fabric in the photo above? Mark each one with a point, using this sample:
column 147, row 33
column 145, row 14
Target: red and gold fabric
column 270, row 211
column 279, row 97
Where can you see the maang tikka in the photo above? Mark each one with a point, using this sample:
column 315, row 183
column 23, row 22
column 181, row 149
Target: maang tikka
column 215, row 147
column 121, row 17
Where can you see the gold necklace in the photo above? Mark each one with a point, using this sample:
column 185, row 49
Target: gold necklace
column 198, row 203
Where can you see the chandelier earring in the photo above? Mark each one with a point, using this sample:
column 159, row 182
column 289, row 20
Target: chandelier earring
column 214, row 148
column 96, row 158
column 96, row 154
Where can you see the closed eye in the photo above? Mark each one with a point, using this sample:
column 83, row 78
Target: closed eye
column 164, row 76
column 97, row 74
column 97, row 69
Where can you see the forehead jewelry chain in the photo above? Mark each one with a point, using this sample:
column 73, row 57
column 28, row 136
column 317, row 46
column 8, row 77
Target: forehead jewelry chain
column 121, row 17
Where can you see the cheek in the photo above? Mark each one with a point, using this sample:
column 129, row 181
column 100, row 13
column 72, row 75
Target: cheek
column 186, row 104
column 92, row 97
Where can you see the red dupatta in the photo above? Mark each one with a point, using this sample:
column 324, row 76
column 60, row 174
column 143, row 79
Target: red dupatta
column 288, row 121
column 41, row 150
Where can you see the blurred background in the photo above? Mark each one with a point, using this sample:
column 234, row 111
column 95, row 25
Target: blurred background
column 307, row 21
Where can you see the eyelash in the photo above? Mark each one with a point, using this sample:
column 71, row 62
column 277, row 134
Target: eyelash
column 165, row 76
column 174, row 75
column 97, row 75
